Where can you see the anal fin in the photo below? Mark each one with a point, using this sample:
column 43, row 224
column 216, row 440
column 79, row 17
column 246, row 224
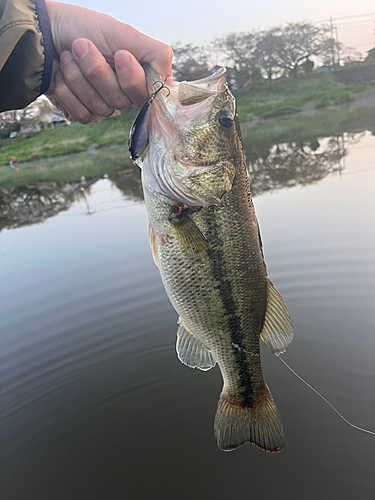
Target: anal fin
column 277, row 331
column 192, row 352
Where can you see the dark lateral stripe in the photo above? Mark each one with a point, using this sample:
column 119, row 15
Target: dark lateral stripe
column 224, row 287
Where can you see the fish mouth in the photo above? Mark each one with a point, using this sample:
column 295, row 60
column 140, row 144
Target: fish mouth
column 186, row 93
column 152, row 77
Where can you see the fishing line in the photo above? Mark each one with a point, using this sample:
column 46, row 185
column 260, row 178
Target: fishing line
column 326, row 400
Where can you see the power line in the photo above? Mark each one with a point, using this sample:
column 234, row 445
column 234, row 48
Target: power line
column 356, row 31
column 347, row 28
column 354, row 22
column 354, row 15
column 335, row 18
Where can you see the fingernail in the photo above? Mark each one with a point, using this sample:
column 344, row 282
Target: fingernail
column 66, row 57
column 58, row 76
column 122, row 62
column 80, row 48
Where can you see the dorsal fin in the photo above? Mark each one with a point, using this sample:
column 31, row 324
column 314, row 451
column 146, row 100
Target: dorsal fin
column 277, row 331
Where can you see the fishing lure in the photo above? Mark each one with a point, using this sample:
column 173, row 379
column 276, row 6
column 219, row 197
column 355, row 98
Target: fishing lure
column 138, row 138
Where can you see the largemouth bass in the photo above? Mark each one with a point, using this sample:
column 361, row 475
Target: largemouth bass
column 205, row 240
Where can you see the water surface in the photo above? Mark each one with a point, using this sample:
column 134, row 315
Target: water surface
column 94, row 402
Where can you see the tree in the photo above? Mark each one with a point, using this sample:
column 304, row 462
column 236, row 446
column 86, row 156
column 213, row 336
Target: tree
column 266, row 53
column 189, row 62
column 276, row 52
column 239, row 51
column 329, row 50
column 349, row 55
column 297, row 42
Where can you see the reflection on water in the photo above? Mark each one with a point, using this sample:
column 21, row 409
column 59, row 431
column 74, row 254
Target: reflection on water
column 94, row 403
column 271, row 166
column 278, row 166
column 129, row 182
column 293, row 164
column 25, row 205
column 22, row 206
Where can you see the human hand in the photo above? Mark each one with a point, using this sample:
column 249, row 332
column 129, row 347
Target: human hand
column 88, row 88
column 101, row 72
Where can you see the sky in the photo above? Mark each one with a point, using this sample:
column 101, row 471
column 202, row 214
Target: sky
column 200, row 21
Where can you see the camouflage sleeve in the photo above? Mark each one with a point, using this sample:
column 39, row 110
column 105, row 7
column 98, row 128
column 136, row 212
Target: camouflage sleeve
column 26, row 52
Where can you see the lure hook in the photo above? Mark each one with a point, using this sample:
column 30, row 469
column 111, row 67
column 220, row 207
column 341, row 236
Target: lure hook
column 152, row 97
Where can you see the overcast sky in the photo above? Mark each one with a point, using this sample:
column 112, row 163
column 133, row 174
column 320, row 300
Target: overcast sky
column 199, row 21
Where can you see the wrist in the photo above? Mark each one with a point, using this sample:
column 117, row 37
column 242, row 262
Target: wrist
column 45, row 29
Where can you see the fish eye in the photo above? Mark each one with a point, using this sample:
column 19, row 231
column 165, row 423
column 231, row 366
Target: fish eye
column 226, row 119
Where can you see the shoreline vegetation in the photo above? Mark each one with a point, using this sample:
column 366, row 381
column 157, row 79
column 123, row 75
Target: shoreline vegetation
column 312, row 106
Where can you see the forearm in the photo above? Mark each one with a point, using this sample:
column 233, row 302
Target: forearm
column 26, row 52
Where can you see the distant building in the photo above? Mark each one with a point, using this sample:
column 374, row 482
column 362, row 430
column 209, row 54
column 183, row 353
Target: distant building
column 371, row 54
column 51, row 119
column 308, row 66
column 323, row 69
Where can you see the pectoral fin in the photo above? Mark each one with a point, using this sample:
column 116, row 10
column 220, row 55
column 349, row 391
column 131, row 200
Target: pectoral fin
column 153, row 245
column 192, row 352
column 189, row 235
column 277, row 331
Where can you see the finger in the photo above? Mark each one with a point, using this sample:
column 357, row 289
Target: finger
column 144, row 49
column 82, row 88
column 70, row 102
column 131, row 77
column 162, row 62
column 99, row 74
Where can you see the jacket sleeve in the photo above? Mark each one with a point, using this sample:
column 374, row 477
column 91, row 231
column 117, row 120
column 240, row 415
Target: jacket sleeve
column 26, row 52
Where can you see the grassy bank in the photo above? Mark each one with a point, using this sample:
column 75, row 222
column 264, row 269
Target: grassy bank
column 290, row 96
column 302, row 128
column 68, row 168
column 66, row 140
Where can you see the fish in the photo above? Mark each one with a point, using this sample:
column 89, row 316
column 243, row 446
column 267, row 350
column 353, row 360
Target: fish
column 205, row 240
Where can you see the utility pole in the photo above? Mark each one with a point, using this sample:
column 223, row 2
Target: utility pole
column 333, row 44
column 337, row 46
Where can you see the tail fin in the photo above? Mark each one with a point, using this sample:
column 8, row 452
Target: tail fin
column 260, row 424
